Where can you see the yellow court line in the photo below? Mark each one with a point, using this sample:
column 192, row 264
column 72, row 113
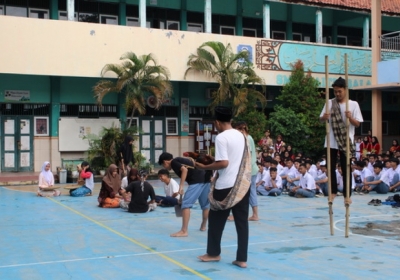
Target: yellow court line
column 132, row 240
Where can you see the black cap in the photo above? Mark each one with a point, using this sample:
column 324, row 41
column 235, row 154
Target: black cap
column 223, row 114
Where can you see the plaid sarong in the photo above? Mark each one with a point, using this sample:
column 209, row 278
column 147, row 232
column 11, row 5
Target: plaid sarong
column 241, row 186
column 339, row 128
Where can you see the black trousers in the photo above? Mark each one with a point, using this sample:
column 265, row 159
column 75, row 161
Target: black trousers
column 217, row 221
column 343, row 164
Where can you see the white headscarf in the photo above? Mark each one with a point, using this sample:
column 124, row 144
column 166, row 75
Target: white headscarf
column 47, row 175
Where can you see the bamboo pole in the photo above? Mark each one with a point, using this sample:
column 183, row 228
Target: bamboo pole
column 347, row 186
column 328, row 146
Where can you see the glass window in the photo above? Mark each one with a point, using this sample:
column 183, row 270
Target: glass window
column 171, row 126
column 16, row 11
column 38, row 13
column 227, row 30
column 107, row 19
column 249, row 32
column 173, row 25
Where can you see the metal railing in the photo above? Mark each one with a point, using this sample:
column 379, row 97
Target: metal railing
column 390, row 46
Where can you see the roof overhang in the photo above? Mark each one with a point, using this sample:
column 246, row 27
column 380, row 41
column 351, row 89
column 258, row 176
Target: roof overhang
column 385, row 87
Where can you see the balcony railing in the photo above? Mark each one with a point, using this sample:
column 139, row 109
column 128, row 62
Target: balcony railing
column 390, row 46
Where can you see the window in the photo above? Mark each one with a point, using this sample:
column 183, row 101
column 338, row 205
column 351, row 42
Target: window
column 1, row 10
column 134, row 21
column 297, row 37
column 16, row 11
column 194, row 27
column 342, row 40
column 173, row 25
column 64, row 16
column 249, row 32
column 326, row 40
column 227, row 30
column 135, row 122
column 307, row 39
column 171, row 126
column 193, row 125
column 38, row 13
column 278, row 35
column 85, row 17
column 107, row 19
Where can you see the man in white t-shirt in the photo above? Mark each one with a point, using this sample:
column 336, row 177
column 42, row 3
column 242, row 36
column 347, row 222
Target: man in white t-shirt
column 379, row 182
column 171, row 189
column 229, row 151
column 306, row 186
column 394, row 175
column 338, row 141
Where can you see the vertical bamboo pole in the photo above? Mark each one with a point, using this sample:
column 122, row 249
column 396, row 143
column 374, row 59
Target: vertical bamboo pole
column 347, row 186
column 328, row 145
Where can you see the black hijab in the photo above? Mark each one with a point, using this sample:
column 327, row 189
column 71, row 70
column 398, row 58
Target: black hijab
column 126, row 150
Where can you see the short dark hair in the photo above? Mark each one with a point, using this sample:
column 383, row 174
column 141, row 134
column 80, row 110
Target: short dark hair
column 373, row 155
column 340, row 82
column 273, row 169
column 303, row 164
column 163, row 172
column 164, row 156
column 360, row 163
column 267, row 159
column 274, row 162
column 378, row 165
column 396, row 160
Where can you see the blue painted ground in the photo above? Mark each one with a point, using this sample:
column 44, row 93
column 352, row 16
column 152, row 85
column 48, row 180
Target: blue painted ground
column 72, row 238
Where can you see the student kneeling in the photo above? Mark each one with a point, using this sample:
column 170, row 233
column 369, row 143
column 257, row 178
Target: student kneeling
column 306, row 187
column 141, row 191
column 273, row 185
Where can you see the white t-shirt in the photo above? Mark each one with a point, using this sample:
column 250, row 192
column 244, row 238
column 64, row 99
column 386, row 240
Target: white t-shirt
column 124, row 182
column 278, row 182
column 354, row 108
column 339, row 180
column 365, row 173
column 307, row 181
column 383, row 176
column 229, row 145
column 292, row 173
column 262, row 177
column 171, row 188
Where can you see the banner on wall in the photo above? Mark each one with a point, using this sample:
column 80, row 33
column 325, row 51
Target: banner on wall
column 17, row 95
column 185, row 114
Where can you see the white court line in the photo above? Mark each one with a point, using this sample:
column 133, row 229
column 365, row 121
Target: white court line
column 365, row 236
column 155, row 253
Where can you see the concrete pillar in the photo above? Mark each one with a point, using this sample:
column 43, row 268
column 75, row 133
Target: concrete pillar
column 54, row 9
column 376, row 24
column 289, row 23
column 366, row 32
column 122, row 12
column 183, row 15
column 239, row 18
column 318, row 26
column 266, row 20
column 71, row 10
column 207, row 16
column 142, row 13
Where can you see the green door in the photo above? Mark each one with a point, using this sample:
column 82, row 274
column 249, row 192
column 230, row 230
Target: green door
column 152, row 140
column 17, row 140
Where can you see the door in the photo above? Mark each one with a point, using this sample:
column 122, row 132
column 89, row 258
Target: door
column 17, row 145
column 152, row 140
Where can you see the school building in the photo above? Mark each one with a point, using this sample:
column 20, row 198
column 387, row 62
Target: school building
column 53, row 51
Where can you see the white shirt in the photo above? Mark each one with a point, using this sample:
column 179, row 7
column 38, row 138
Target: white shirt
column 354, row 108
column 313, row 172
column 366, row 173
column 371, row 167
column 279, row 168
column 383, row 176
column 307, row 181
column 278, row 182
column 124, row 182
column 292, row 173
column 339, row 180
column 229, row 145
column 171, row 188
column 262, row 177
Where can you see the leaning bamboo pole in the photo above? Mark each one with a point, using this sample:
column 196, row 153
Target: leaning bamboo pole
column 347, row 186
column 328, row 145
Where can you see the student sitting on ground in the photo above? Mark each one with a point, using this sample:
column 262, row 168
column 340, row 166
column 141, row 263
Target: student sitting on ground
column 321, row 181
column 46, row 180
column 360, row 174
column 109, row 195
column 261, row 178
column 133, row 176
column 339, row 179
column 141, row 191
column 379, row 182
column 306, row 186
column 394, row 175
column 86, row 174
column 293, row 177
column 171, row 189
column 273, row 185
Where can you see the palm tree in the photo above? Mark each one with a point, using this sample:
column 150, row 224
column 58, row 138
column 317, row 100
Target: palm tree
column 136, row 76
column 234, row 73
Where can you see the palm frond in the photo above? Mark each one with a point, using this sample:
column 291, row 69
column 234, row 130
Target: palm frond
column 102, row 88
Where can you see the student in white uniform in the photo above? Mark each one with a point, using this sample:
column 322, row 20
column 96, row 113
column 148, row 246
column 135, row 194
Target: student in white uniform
column 306, row 187
column 379, row 182
column 273, row 185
